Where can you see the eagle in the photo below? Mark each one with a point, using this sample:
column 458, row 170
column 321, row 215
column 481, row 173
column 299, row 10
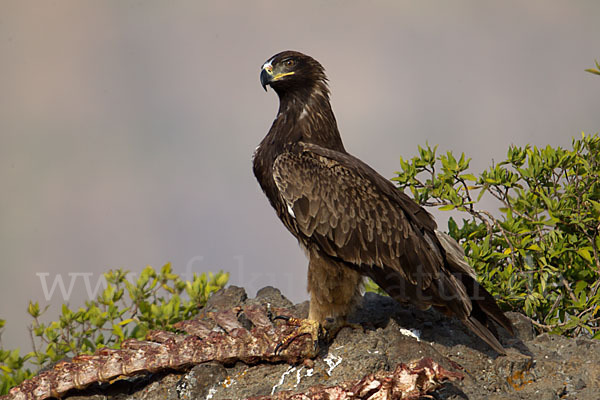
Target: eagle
column 351, row 222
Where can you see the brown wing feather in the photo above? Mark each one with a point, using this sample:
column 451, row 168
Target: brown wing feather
column 348, row 211
column 351, row 213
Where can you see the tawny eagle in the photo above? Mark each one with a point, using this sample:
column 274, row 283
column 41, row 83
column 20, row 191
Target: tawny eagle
column 351, row 221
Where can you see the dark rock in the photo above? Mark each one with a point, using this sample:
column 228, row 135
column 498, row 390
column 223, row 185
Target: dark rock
column 273, row 297
column 198, row 382
column 164, row 388
column 547, row 394
column 385, row 334
column 301, row 309
column 517, row 370
column 523, row 327
column 580, row 384
column 226, row 298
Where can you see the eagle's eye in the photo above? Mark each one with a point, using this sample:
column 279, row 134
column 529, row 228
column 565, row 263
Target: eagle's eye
column 290, row 62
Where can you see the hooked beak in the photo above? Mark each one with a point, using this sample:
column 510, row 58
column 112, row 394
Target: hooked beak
column 268, row 75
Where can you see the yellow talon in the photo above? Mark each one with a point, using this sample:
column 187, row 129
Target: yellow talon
column 305, row 327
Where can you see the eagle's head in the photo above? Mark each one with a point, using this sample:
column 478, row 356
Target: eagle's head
column 291, row 71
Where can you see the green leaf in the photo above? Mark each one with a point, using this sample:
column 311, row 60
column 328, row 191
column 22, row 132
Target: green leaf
column 469, row 177
column 33, row 309
column 222, row 279
column 117, row 331
column 585, row 253
column 593, row 71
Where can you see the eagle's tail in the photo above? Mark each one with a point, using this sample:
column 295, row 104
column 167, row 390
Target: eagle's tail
column 485, row 305
column 484, row 333
column 485, row 309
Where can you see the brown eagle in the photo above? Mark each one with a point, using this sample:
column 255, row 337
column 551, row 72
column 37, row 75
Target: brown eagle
column 351, row 221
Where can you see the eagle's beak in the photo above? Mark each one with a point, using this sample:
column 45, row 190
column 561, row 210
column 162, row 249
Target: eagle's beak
column 266, row 75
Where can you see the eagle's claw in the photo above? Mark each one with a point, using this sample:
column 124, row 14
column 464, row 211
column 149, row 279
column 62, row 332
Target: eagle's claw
column 304, row 327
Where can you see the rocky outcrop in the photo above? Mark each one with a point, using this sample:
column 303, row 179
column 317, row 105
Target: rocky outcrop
column 389, row 345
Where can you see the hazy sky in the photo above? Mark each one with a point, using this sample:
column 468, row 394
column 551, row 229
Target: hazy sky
column 127, row 127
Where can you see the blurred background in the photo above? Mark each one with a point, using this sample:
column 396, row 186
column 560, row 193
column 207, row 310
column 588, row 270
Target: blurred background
column 127, row 127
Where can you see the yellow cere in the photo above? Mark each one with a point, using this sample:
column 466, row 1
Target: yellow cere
column 279, row 76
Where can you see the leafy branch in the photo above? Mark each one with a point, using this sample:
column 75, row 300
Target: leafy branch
column 125, row 309
column 540, row 252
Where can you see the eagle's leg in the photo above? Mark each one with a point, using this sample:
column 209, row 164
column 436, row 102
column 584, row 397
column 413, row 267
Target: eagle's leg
column 334, row 291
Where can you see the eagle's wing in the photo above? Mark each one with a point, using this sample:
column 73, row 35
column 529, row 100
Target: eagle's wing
column 356, row 215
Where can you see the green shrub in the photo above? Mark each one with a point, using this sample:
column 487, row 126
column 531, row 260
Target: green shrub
column 539, row 254
column 154, row 301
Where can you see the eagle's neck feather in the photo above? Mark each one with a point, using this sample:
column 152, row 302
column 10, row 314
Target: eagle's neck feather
column 305, row 115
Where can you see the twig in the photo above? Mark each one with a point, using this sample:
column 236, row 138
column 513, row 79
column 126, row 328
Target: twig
column 566, row 284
